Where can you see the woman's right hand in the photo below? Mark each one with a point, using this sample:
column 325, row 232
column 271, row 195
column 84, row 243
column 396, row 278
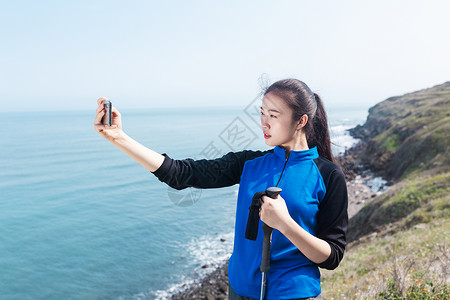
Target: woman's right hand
column 111, row 133
column 148, row 158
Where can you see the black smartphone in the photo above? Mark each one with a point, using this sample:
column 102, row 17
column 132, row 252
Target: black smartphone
column 107, row 118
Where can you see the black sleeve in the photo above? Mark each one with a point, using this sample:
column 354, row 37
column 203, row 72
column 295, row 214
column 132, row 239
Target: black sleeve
column 205, row 173
column 332, row 218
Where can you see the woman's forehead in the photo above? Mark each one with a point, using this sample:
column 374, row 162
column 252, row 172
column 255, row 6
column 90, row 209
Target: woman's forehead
column 273, row 102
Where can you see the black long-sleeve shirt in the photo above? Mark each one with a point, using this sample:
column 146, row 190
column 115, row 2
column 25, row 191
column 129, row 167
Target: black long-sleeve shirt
column 332, row 218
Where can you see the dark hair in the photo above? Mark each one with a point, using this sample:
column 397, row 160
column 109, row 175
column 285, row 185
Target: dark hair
column 303, row 101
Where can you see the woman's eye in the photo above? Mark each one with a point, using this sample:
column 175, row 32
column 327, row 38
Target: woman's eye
column 272, row 116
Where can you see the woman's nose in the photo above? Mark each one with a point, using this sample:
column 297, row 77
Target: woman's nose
column 264, row 122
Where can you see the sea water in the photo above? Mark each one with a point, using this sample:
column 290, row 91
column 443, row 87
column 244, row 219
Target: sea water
column 81, row 220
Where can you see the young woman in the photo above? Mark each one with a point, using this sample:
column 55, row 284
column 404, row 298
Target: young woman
column 309, row 217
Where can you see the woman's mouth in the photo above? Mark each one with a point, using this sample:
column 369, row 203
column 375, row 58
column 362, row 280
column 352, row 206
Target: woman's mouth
column 266, row 136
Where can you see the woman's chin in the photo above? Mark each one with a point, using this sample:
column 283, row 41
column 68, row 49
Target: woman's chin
column 269, row 143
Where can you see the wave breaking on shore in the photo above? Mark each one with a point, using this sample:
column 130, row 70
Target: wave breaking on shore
column 209, row 253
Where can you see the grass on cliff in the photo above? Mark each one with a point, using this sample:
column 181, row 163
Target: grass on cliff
column 411, row 264
column 399, row 244
column 417, row 199
column 426, row 147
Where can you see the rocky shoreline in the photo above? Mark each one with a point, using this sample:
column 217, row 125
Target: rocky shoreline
column 360, row 193
column 213, row 286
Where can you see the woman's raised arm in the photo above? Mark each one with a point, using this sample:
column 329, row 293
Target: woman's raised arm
column 177, row 173
column 146, row 157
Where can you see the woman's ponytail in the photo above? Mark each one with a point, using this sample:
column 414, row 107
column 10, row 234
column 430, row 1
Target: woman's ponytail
column 320, row 136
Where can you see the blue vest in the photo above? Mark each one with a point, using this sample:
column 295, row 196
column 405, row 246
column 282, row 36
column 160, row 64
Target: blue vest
column 291, row 274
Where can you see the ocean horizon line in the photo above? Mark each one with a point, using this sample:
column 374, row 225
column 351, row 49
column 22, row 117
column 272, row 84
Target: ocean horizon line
column 329, row 106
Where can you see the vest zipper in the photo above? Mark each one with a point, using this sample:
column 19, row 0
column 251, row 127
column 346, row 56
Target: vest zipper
column 282, row 171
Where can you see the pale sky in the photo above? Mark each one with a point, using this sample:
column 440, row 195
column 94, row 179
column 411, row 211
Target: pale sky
column 63, row 55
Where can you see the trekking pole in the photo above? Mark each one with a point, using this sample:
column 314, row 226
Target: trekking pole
column 273, row 193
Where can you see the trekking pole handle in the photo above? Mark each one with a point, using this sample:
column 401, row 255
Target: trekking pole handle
column 273, row 193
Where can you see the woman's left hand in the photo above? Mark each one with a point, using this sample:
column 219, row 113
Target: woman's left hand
column 274, row 212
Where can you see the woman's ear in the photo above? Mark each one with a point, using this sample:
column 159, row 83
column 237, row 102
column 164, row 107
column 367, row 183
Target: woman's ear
column 302, row 122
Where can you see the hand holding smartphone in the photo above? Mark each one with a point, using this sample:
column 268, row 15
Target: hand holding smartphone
column 107, row 118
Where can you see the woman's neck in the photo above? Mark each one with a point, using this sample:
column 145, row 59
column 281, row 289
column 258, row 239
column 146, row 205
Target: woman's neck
column 298, row 144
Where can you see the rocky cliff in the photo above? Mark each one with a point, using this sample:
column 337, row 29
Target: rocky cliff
column 408, row 133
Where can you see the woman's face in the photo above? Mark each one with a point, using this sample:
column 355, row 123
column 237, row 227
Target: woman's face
column 276, row 120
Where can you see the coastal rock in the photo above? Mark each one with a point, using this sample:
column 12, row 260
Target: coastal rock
column 213, row 286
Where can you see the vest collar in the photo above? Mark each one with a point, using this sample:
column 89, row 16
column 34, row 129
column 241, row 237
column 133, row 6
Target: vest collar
column 297, row 155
